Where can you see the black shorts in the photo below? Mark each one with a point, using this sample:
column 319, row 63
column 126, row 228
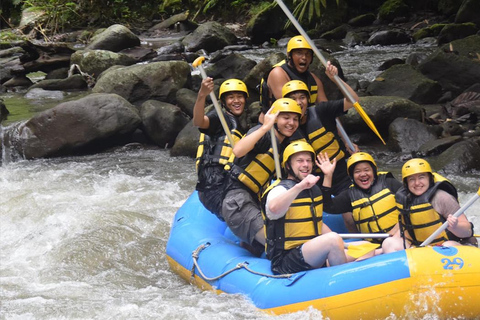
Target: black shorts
column 290, row 261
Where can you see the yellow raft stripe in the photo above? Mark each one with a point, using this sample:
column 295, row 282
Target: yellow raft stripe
column 426, row 292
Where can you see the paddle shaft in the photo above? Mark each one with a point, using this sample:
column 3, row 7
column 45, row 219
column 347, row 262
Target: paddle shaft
column 363, row 235
column 445, row 224
column 343, row 133
column 276, row 157
column 218, row 109
column 314, row 48
column 338, row 81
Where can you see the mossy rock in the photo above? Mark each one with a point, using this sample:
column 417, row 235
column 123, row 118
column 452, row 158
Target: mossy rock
column 422, row 33
column 392, row 9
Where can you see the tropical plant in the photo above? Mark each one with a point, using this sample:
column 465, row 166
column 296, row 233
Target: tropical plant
column 308, row 10
column 58, row 13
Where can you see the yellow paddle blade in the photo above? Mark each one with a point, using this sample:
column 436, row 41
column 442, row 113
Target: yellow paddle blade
column 367, row 119
column 356, row 251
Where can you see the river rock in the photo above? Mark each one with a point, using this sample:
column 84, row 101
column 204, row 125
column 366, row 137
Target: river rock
column 392, row 9
column 161, row 122
column 210, row 36
column 407, row 135
column 435, row 147
column 255, row 75
column 74, row 83
column 8, row 66
column 382, row 111
column 404, row 81
column 336, row 34
column 232, row 66
column 362, row 20
column 3, row 111
column 74, row 126
column 169, row 22
column 268, row 24
column 469, row 11
column 186, row 99
column 187, row 142
column 138, row 83
column 45, row 57
column 455, row 70
column 18, row 81
column 461, row 157
column 114, row 38
column 389, row 37
column 94, row 62
column 456, row 31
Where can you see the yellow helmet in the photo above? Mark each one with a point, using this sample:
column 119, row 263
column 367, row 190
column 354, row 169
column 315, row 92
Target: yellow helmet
column 231, row 85
column 286, row 105
column 359, row 157
column 414, row 166
column 297, row 42
column 296, row 147
column 293, row 86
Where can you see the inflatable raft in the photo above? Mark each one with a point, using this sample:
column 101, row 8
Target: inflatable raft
column 439, row 281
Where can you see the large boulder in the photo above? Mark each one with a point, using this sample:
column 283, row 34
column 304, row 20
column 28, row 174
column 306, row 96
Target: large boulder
column 392, row 9
column 255, row 75
column 74, row 83
column 404, row 81
column 94, row 62
column 232, row 66
column 114, row 38
column 210, row 36
column 267, row 24
column 94, row 122
column 456, row 31
column 138, row 83
column 455, row 70
column 389, row 37
column 382, row 111
column 460, row 158
column 407, row 135
column 469, row 11
column 187, row 142
column 161, row 122
column 186, row 99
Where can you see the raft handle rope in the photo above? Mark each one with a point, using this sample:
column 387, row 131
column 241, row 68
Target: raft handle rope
column 244, row 265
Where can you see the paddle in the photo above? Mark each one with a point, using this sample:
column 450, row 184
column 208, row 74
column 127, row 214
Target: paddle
column 456, row 214
column 340, row 84
column 364, row 235
column 198, row 64
column 358, row 250
column 276, row 158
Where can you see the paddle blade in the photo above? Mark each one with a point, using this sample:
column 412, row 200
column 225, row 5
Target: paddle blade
column 359, row 250
column 367, row 119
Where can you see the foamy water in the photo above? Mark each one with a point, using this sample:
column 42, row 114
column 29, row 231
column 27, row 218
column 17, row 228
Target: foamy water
column 84, row 238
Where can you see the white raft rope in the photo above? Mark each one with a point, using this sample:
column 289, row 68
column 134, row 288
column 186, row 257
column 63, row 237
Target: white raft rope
column 241, row 265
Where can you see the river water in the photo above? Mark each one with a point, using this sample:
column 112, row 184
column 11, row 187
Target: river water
column 85, row 237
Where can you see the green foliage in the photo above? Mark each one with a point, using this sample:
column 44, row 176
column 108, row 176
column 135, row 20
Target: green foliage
column 58, row 13
column 308, row 10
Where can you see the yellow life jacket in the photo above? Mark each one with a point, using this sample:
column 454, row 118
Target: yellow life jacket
column 266, row 98
column 418, row 217
column 321, row 139
column 302, row 222
column 254, row 170
column 377, row 211
column 217, row 149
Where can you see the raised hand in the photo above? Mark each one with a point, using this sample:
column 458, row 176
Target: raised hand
column 270, row 118
column 331, row 71
column 206, row 87
column 324, row 163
